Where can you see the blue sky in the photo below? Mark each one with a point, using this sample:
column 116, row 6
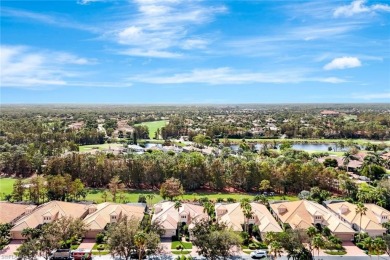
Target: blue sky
column 177, row 51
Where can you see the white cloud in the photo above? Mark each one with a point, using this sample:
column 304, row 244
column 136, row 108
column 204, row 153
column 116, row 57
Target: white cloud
column 164, row 27
column 47, row 19
column 23, row 67
column 225, row 75
column 343, row 63
column 151, row 53
column 359, row 7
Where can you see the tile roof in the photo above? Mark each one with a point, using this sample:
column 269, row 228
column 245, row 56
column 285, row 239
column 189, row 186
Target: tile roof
column 11, row 211
column 234, row 217
column 301, row 214
column 169, row 217
column 56, row 209
column 101, row 217
column 369, row 221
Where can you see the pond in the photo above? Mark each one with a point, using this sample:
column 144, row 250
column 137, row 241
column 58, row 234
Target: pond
column 150, row 145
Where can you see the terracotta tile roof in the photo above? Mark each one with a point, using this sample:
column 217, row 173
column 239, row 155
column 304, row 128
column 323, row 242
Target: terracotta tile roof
column 301, row 215
column 102, row 216
column 11, row 211
column 369, row 221
column 169, row 217
column 234, row 217
column 55, row 209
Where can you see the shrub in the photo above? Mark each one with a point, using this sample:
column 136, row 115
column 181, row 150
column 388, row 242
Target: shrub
column 100, row 247
column 141, row 198
column 252, row 246
column 179, row 247
column 231, row 200
column 100, row 238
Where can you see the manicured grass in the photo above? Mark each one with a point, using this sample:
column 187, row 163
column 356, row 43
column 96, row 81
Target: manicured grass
column 6, row 185
column 181, row 252
column 153, row 126
column 85, row 148
column 295, row 140
column 185, row 245
column 95, row 246
column 132, row 196
column 335, row 252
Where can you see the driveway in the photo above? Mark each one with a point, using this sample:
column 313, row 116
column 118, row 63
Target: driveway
column 353, row 250
column 166, row 244
column 11, row 248
column 87, row 243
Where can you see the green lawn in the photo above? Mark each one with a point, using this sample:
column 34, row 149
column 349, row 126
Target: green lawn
column 6, row 185
column 295, row 140
column 185, row 245
column 85, row 148
column 132, row 196
column 153, row 126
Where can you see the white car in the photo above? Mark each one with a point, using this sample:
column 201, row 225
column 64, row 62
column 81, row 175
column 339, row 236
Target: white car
column 258, row 254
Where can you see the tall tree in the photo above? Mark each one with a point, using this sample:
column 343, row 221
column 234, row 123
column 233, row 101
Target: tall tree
column 171, row 189
column 18, row 190
column 214, row 240
column 361, row 210
column 115, row 186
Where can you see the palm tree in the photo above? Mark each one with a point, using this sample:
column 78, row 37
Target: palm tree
column 361, row 210
column 140, row 241
column 276, row 249
column 379, row 245
column 346, row 159
column 246, row 210
column 318, row 242
column 368, row 243
column 150, row 198
column 177, row 206
column 209, row 209
column 311, row 232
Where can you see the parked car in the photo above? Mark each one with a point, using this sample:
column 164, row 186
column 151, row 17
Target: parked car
column 82, row 254
column 258, row 254
column 61, row 254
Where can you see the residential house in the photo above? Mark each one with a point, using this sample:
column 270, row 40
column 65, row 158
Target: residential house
column 330, row 113
column 47, row 213
column 233, row 216
column 107, row 213
column 370, row 222
column 169, row 217
column 303, row 214
column 10, row 212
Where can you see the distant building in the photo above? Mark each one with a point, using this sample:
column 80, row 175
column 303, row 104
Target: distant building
column 330, row 113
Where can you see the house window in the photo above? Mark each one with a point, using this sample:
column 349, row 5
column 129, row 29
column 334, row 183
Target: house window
column 183, row 216
column 252, row 217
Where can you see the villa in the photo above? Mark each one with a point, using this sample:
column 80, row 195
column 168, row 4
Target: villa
column 233, row 216
column 370, row 222
column 304, row 214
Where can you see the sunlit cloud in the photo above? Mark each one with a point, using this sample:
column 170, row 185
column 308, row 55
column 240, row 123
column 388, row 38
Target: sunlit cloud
column 225, row 75
column 360, row 7
column 343, row 63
